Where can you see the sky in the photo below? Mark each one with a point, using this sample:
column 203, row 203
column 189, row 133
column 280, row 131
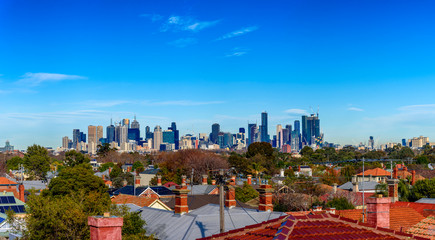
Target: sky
column 367, row 66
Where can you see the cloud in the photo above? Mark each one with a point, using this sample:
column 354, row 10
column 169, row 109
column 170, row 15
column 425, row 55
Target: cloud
column 237, row 33
column 35, row 79
column 152, row 17
column 296, row 111
column 183, row 42
column 418, row 108
column 355, row 109
column 107, row 103
column 181, row 103
column 179, row 23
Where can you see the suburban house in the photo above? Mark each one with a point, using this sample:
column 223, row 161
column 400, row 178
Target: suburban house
column 372, row 175
column 140, row 201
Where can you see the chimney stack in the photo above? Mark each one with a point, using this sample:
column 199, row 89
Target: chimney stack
column 204, row 179
column 405, row 168
column 213, row 182
column 413, row 178
column 21, row 192
column 233, row 180
column 265, row 198
column 393, row 189
column 378, row 211
column 137, row 181
column 159, row 180
column 230, row 196
column 183, row 180
column 105, row 227
column 181, row 206
column 395, row 172
column 355, row 187
column 249, row 179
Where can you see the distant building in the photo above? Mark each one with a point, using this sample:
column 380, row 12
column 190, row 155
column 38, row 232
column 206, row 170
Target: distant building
column 404, row 142
column 7, row 148
column 176, row 135
column 371, row 143
column 168, row 137
column 99, row 134
column 418, row 142
column 65, row 142
column 110, row 133
column 310, row 129
column 135, row 124
column 92, row 134
column 286, row 148
column 264, row 128
column 158, row 137
column 252, row 128
column 215, row 129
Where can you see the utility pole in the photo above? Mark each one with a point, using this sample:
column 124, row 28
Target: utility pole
column 364, row 211
column 221, row 201
column 191, row 183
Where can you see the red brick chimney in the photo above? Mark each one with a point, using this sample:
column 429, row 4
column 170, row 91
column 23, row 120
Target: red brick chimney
column 213, row 182
column 137, row 180
column 230, row 196
column 110, row 170
column 395, row 172
column 105, row 227
column 378, row 211
column 393, row 189
column 413, row 177
column 299, row 168
column 128, row 169
column 21, row 192
column 103, row 177
column 159, row 180
column 183, row 180
column 204, row 179
column 405, row 168
column 181, row 206
column 233, row 180
column 265, row 198
column 249, row 179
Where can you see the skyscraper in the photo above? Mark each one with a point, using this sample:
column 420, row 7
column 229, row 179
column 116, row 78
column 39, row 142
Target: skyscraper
column 310, row 129
column 148, row 133
column 126, row 122
column 99, row 134
column 168, row 137
column 65, row 141
column 76, row 138
column 135, row 124
column 288, row 134
column 110, row 132
column 158, row 137
column 241, row 130
column 279, row 136
column 92, row 135
column 252, row 129
column 215, row 129
column 263, row 128
column 176, row 135
column 371, row 143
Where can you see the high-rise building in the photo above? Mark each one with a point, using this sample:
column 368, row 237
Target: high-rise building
column 110, row 133
column 288, row 134
column 215, row 129
column 121, row 134
column 168, row 136
column 157, row 137
column 297, row 126
column 176, row 135
column 404, row 142
column 252, row 127
column 76, row 138
column 92, row 134
column 99, row 134
column 310, row 129
column 371, row 143
column 264, row 128
column 148, row 133
column 65, row 142
column 134, row 134
column 135, row 124
column 279, row 137
column 126, row 122
column 241, row 130
column 295, row 144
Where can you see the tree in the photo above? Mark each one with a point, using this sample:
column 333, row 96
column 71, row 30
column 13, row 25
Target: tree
column 307, row 151
column 73, row 158
column 118, row 182
column 330, row 177
column 103, row 149
column 116, row 170
column 257, row 166
column 246, row 193
column 14, row 163
column 423, row 189
column 106, row 166
column 138, row 166
column 239, row 162
column 422, row 159
column 133, row 225
column 347, row 172
column 404, row 191
column 262, row 148
column 340, row 204
column 37, row 161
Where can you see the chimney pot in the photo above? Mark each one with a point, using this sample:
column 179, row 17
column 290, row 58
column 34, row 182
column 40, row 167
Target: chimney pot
column 265, row 198
column 413, row 177
column 181, row 206
column 230, row 196
column 395, row 172
column 159, row 180
column 213, row 182
column 21, row 192
column 249, row 179
column 204, row 179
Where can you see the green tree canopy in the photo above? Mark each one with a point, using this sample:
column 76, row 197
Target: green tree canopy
column 118, row 182
column 262, row 148
column 340, row 204
column 14, row 163
column 246, row 193
column 37, row 161
column 73, row 158
column 116, row 170
column 423, row 189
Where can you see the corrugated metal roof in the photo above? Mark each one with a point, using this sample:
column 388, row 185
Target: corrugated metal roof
column 201, row 222
column 201, row 189
column 367, row 186
column 426, row 200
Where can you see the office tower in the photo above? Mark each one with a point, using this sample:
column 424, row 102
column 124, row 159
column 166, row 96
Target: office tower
column 125, row 122
column 65, row 141
column 297, row 126
column 310, row 129
column 76, row 137
column 288, row 134
column 82, row 137
column 121, row 134
column 135, row 124
column 295, row 144
column 134, row 134
column 371, row 143
column 157, row 137
column 252, row 127
column 241, row 130
column 110, row 133
column 99, row 134
column 279, row 137
column 92, row 134
column 263, row 128
column 404, row 142
column 148, row 133
column 215, row 129
column 176, row 135
column 168, row 136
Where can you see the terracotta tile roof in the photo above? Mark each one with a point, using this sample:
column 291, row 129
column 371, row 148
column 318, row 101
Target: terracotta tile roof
column 425, row 228
column 311, row 227
column 354, row 214
column 5, row 181
column 402, row 174
column 425, row 209
column 139, row 201
column 375, row 172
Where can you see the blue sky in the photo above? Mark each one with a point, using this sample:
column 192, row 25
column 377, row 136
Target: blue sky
column 368, row 66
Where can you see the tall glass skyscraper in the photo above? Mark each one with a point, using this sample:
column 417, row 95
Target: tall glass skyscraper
column 264, row 126
column 110, row 133
column 176, row 135
column 215, row 129
column 310, row 129
column 251, row 132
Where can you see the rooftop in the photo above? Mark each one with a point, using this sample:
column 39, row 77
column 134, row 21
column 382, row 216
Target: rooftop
column 375, row 172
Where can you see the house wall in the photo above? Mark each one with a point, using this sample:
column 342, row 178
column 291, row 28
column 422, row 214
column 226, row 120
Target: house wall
column 145, row 179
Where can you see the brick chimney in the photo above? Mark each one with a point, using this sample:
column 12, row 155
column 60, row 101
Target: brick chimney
column 265, row 198
column 181, row 206
column 378, row 211
column 105, row 227
column 233, row 180
column 413, row 177
column 393, row 189
column 213, row 182
column 103, row 177
column 355, row 187
column 183, row 180
column 128, row 169
column 204, row 179
column 395, row 172
column 159, row 180
column 137, row 181
column 230, row 196
column 405, row 168
column 110, row 170
column 21, row 192
column 249, row 179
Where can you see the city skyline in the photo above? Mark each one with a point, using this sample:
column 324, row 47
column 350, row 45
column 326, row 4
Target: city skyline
column 366, row 65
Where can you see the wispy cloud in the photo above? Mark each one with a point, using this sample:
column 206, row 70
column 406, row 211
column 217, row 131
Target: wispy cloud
column 237, row 52
column 238, row 33
column 180, row 23
column 296, row 111
column 418, row 108
column 183, row 42
column 35, row 79
column 355, row 109
column 181, row 103
column 152, row 17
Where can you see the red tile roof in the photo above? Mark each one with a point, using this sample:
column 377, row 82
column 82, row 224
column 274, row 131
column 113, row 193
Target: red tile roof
column 425, row 228
column 311, row 227
column 5, row 181
column 425, row 209
column 139, row 201
column 375, row 172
